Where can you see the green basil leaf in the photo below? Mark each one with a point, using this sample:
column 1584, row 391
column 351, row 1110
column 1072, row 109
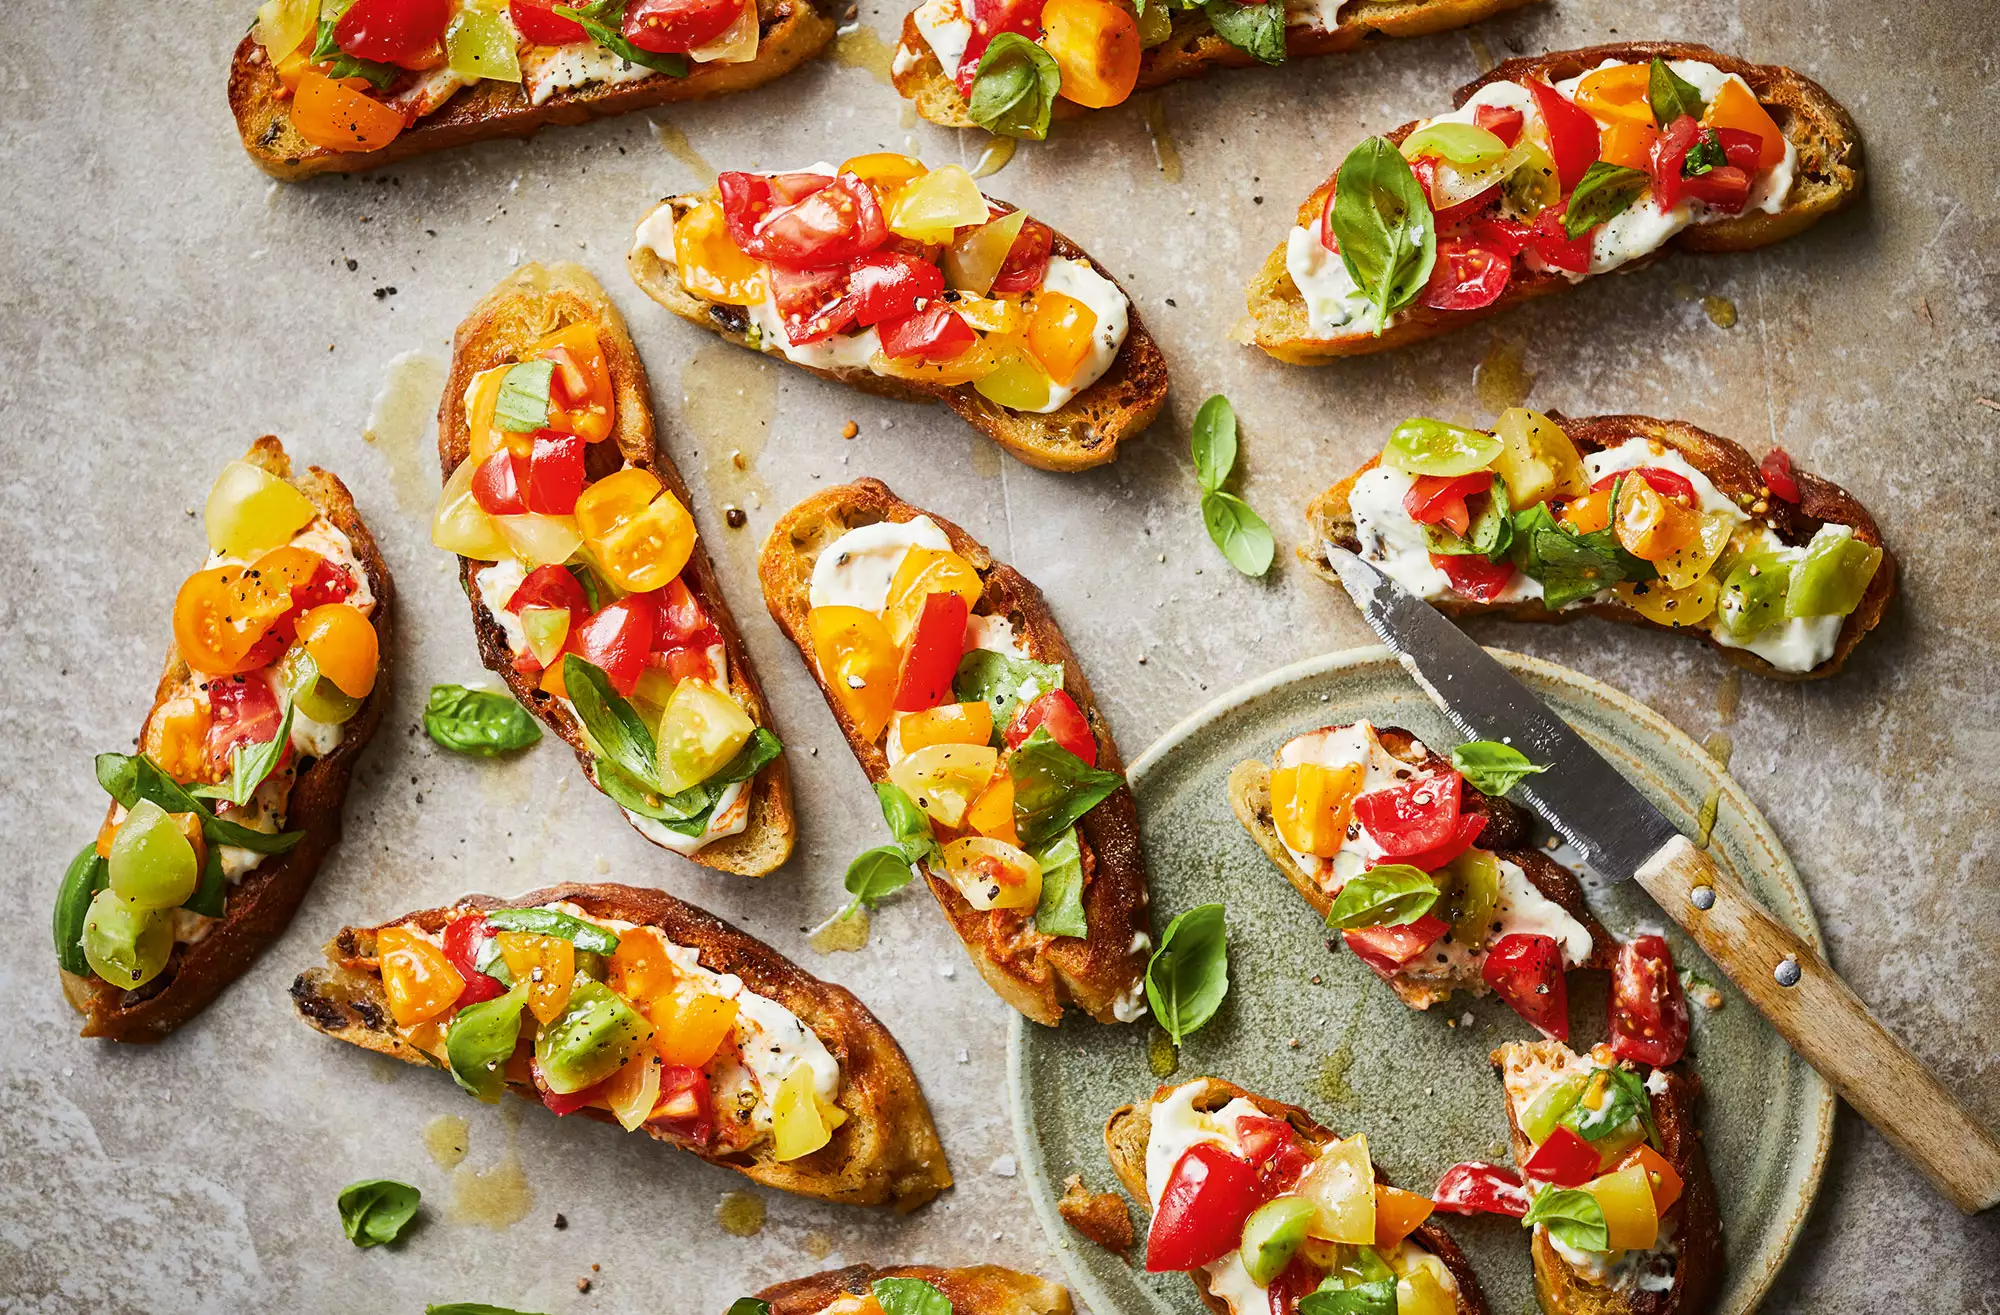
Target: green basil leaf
column 907, row 823
column 478, row 722
column 481, row 1040
column 1704, row 155
column 1014, row 90
column 1625, row 1100
column 614, row 727
column 1258, row 30
column 748, row 1306
column 249, row 764
column 1572, row 1216
column 481, row 1308
column 1188, row 976
column 604, row 20
column 1213, row 439
column 129, row 778
column 1605, row 191
column 1571, row 566
column 326, row 49
column 1387, row 895
column 689, row 811
column 909, row 1296
column 1373, row 1297
column 376, row 1210
column 553, row 922
column 211, row 892
column 1672, row 95
column 1241, row 534
column 1493, row 768
column 86, row 875
column 489, row 959
column 523, row 405
column 1382, row 220
column 593, row 595
column 877, row 873
column 345, row 65
column 1053, row 788
column 1003, row 682
column 1060, row 910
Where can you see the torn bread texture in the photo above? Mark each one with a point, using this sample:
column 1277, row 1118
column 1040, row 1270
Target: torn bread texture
column 972, row 1290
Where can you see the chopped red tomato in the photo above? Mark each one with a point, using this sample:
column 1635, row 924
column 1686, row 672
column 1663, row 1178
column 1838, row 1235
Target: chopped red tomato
column 686, row 1106
column 931, row 660
column 1666, row 483
column 496, row 485
column 1551, row 243
column 550, row 586
column 1472, row 1188
column 1745, row 149
column 812, row 303
column 1527, row 972
column 1726, row 188
column 555, row 473
column 1502, row 235
column 681, row 619
column 1299, row 1280
column 989, row 19
column 242, row 710
column 1466, row 276
column 1388, row 949
column 1668, row 157
column 1066, row 724
column 892, row 285
column 1502, row 121
column 1273, row 1146
column 1649, row 1014
column 1425, row 169
column 1468, row 829
column 1027, row 262
column 802, row 221
column 463, row 937
column 1208, row 1195
column 674, row 27
column 1472, row 576
column 1776, row 469
column 935, row 333
column 392, row 31
column 1572, row 134
column 1440, row 499
column 1565, row 1159
column 616, row 639
column 565, row 1102
column 1419, row 814
column 540, row 25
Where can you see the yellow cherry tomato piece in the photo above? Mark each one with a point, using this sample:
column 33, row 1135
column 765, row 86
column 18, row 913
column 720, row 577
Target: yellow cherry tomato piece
column 800, row 1122
column 344, row 646
column 1628, row 142
column 943, row 778
column 460, row 525
column 283, row 25
column 1059, row 330
column 336, row 116
column 639, row 533
column 547, row 964
column 416, row 977
column 1397, row 1215
column 1630, row 1214
column 711, row 265
column 1736, row 106
column 1651, row 525
column 485, row 437
column 581, row 400
column 886, row 171
column 923, row 572
column 858, row 662
column 974, row 260
column 640, row 968
column 1589, row 513
column 690, row 1024
column 993, row 874
column 1096, row 44
column 1341, row 1184
column 1658, row 601
column 250, row 510
column 950, row 723
column 176, row 738
column 1537, row 459
column 633, row 1090
column 992, row 813
column 931, row 209
column 700, row 730
column 969, row 366
column 1619, row 94
column 1311, row 805
column 1017, row 380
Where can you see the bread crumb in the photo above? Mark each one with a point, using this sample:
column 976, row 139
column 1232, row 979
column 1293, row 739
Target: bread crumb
column 583, row 1285
column 1099, row 1216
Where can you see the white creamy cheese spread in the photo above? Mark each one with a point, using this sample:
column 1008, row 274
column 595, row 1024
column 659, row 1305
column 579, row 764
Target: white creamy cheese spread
column 857, row 569
column 546, row 70
column 1077, row 278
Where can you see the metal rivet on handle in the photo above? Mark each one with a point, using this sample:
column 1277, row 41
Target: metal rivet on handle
column 1703, row 897
column 1787, row 971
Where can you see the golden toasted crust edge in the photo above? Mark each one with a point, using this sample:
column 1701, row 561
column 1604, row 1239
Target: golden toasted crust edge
column 791, row 32
column 887, row 1153
column 258, row 908
column 1085, row 432
column 1093, row 972
column 974, row 1290
column 1729, row 466
column 533, row 301
column 1829, row 178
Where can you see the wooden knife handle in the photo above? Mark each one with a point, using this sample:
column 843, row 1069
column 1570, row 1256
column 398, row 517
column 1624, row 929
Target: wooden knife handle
column 1826, row 1023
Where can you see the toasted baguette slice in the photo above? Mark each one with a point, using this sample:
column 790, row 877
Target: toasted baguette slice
column 258, row 908
column 1828, row 178
column 1194, row 49
column 1083, row 432
column 1728, row 466
column 887, row 1153
column 1696, row 1225
column 1130, row 1127
column 973, row 1290
column 1423, row 984
column 533, row 302
column 790, row 32
column 1036, row 974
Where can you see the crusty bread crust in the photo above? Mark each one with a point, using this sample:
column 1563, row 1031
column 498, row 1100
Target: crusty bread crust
column 1038, row 975
column 1505, row 834
column 1728, row 466
column 1828, row 178
column 974, row 1290
column 1129, row 1128
column 258, row 908
column 887, row 1153
column 1194, row 49
column 1084, row 432
column 531, row 303
column 1698, row 1225
column 790, row 32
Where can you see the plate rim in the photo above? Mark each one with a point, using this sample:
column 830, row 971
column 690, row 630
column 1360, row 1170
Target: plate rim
column 1821, row 1100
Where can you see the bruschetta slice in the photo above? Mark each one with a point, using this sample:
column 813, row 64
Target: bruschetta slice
column 1444, row 889
column 868, row 1290
column 577, row 549
column 274, row 685
column 1102, row 52
column 1261, row 1206
column 631, row 1007
column 1551, row 170
column 911, row 283
column 337, row 86
column 967, row 709
column 1649, row 522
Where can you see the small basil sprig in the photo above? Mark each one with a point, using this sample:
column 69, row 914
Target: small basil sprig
column 1572, row 1216
column 1188, row 976
column 1014, row 90
column 523, row 404
column 553, row 922
column 1241, row 534
column 87, row 874
column 1258, row 30
column 909, row 1296
column 1671, row 95
column 1387, row 895
column 886, row 869
column 1493, row 768
column 1705, row 155
column 376, row 1210
column 249, row 764
column 326, row 49
column 1060, row 909
column 1382, row 220
column 749, row 1306
column 1604, row 192
column 1572, row 566
column 129, row 778
column 603, row 20
column 1338, row 1295
column 478, row 722
column 999, row 680
column 1625, row 1099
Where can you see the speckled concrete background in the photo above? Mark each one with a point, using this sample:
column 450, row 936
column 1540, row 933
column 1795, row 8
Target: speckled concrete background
column 166, row 304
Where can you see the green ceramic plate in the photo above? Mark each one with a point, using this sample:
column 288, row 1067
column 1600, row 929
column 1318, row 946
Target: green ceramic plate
column 1315, row 1027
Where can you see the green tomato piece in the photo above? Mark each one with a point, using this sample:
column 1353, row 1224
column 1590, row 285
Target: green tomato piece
column 152, row 864
column 1462, row 144
column 1833, row 575
column 1472, row 892
column 1273, row 1234
column 312, row 694
column 591, row 1040
column 1753, row 594
column 1423, row 446
column 482, row 1038
column 1532, row 184
column 1547, row 1109
column 1155, row 25
column 123, row 943
column 480, row 44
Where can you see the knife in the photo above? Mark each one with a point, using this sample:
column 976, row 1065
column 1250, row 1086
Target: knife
column 1623, row 836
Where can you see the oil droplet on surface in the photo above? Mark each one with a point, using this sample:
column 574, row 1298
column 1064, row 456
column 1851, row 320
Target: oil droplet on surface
column 1727, row 694
column 729, row 398
column 1161, row 1056
column 1482, row 54
column 447, row 1137
column 985, row 457
column 497, row 1198
column 907, row 119
column 1165, row 153
column 1705, row 821
column 1719, row 746
column 1502, row 379
column 819, row 1246
column 1332, row 1082
column 401, row 420
column 681, row 149
column 841, row 933
column 861, row 48
column 994, row 158
column 1721, row 311
column 741, row 1214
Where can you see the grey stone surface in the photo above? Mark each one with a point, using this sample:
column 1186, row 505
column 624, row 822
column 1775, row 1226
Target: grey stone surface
column 166, row 304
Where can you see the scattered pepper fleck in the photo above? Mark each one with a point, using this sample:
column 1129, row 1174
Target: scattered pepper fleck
column 735, row 517
column 562, row 1220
